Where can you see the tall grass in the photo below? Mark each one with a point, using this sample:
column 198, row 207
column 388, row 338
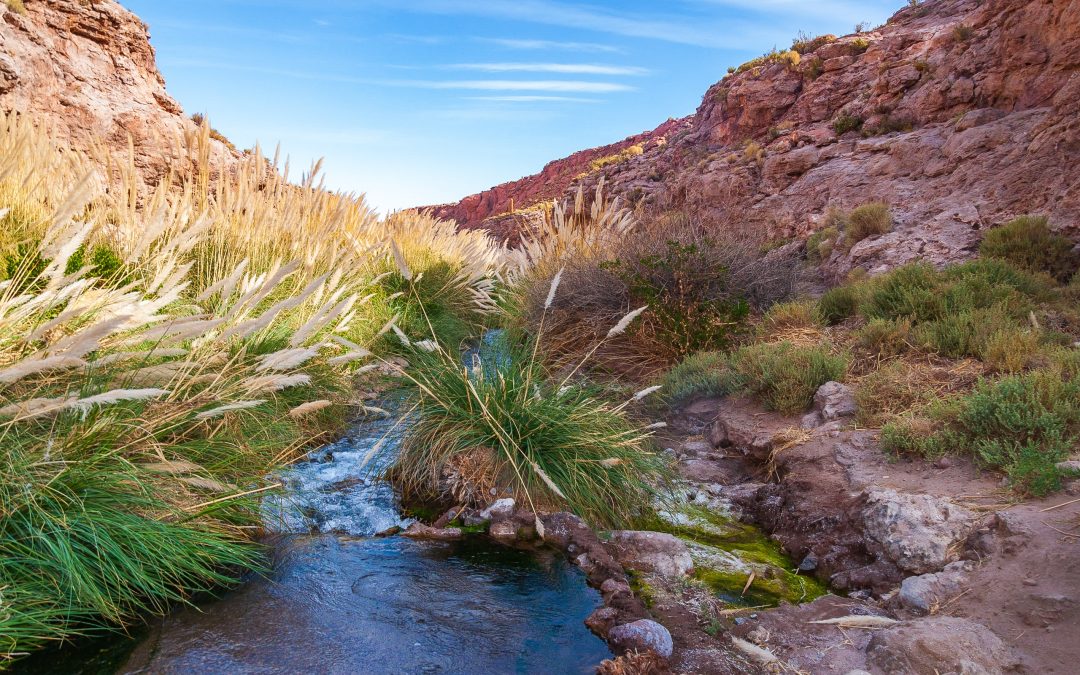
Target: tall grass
column 163, row 349
column 509, row 426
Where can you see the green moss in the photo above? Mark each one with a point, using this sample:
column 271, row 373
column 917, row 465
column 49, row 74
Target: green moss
column 774, row 582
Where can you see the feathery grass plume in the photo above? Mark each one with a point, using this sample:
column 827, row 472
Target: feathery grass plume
column 28, row 367
column 348, row 358
column 36, row 407
column 309, row 407
column 171, row 466
column 426, row 345
column 624, row 323
column 555, row 281
column 646, row 391
column 374, row 410
column 399, row 260
column 228, row 407
column 287, row 359
column 116, row 396
column 119, row 357
column 400, row 335
column 274, row 382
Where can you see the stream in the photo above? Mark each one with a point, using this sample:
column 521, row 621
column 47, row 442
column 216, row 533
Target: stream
column 340, row 600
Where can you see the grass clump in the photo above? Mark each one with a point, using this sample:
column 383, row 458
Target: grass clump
column 1028, row 243
column 805, row 43
column 845, row 122
column 552, row 443
column 618, row 158
column 785, row 376
column 1022, row 425
column 16, row 6
column 700, row 375
column 839, row 303
column 867, row 220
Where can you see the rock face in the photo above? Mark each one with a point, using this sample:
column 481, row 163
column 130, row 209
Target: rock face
column 87, row 70
column 958, row 113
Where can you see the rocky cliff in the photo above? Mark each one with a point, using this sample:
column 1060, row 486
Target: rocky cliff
column 958, row 113
column 86, row 69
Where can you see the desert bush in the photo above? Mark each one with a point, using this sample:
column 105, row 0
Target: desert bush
column 785, row 317
column 784, row 376
column 699, row 375
column 805, row 43
column 896, row 388
column 820, row 244
column 1028, row 243
column 1022, row 425
column 700, row 283
column 618, row 158
column 839, row 303
column 885, row 337
column 845, row 122
column 872, row 218
column 1010, row 350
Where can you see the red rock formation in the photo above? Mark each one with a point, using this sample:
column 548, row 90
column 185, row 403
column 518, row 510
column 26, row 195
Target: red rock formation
column 552, row 182
column 86, row 69
column 964, row 112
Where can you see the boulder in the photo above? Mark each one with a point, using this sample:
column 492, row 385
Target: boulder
column 500, row 509
column 832, row 401
column 505, row 531
column 940, row 644
column 651, row 552
column 920, row 594
column 914, row 531
column 642, row 635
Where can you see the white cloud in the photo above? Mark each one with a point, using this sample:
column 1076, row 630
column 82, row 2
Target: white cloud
column 551, row 45
column 534, row 99
column 564, row 68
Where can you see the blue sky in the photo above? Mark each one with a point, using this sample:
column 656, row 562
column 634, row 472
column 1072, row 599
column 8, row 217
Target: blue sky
column 424, row 101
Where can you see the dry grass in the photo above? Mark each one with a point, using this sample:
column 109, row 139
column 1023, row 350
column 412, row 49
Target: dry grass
column 906, row 384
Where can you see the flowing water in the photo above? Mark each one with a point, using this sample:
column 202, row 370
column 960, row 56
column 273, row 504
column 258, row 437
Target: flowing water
column 340, row 600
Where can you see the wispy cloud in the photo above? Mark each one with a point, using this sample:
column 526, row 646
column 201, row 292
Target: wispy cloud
column 551, row 45
column 563, row 68
column 556, row 86
column 534, row 99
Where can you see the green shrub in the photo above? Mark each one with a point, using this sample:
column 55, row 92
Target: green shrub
column 700, row 375
column 867, row 220
column 784, row 376
column 838, row 304
column 885, row 337
column 845, row 122
column 1028, row 243
column 907, row 292
column 788, row 316
column 1022, row 425
column 804, row 43
column 963, row 333
column 1010, row 350
column 819, row 245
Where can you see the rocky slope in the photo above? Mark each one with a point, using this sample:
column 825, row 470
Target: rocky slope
column 958, row 113
column 86, row 68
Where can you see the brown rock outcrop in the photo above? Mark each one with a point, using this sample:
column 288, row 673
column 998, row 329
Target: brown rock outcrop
column 87, row 70
column 960, row 114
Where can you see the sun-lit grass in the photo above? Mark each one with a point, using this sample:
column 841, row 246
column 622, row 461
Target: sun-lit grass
column 162, row 350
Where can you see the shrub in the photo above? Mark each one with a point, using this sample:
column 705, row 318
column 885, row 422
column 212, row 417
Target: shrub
column 618, row 158
column 785, row 377
column 700, row 375
column 1022, row 425
column 845, row 122
column 785, row 317
column 838, row 303
column 1010, row 350
column 962, row 33
column 804, row 43
column 897, row 388
column 885, row 337
column 16, row 6
column 963, row 333
column 908, row 292
column 870, row 219
column 819, row 245
column 1028, row 243
column 700, row 283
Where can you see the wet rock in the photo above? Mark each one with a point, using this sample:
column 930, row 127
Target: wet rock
column 602, row 620
column 809, row 563
column 448, row 517
column 914, row 531
column 641, row 635
column 501, row 509
column 389, row 532
column 920, row 594
column 505, row 531
column 940, row 644
column 421, row 531
column 653, row 552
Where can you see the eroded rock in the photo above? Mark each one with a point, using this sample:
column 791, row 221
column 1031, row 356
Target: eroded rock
column 938, row 645
column 641, row 635
column 914, row 531
column 651, row 552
